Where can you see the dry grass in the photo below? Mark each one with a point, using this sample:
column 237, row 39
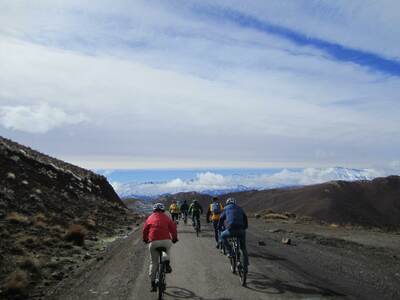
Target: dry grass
column 76, row 233
column 276, row 216
column 17, row 282
column 333, row 225
column 15, row 217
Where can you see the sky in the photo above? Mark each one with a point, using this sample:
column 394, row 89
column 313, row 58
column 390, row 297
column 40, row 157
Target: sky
column 188, row 84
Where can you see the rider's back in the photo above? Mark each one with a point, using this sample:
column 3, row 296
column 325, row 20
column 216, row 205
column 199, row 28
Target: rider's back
column 235, row 217
column 160, row 227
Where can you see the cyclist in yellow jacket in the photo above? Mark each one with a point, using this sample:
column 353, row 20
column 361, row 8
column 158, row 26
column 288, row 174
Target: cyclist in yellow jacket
column 174, row 211
column 213, row 214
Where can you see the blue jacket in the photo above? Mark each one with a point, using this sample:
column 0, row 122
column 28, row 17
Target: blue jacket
column 234, row 216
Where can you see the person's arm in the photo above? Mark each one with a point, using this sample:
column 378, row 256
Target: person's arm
column 145, row 233
column 172, row 230
column 190, row 209
column 221, row 220
column 208, row 213
column 245, row 221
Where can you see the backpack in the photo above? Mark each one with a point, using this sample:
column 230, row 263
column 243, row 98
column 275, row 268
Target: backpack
column 216, row 208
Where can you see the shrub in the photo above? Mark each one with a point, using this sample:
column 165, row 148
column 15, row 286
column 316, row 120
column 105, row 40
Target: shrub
column 15, row 217
column 76, row 233
column 16, row 283
column 276, row 216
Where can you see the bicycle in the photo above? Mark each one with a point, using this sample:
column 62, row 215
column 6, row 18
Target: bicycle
column 197, row 225
column 237, row 262
column 185, row 217
column 161, row 284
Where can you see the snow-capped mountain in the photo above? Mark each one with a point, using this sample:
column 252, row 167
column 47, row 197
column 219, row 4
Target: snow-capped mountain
column 214, row 183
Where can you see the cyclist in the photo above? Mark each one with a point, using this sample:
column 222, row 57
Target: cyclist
column 159, row 231
column 195, row 210
column 213, row 214
column 236, row 225
column 174, row 211
column 184, row 210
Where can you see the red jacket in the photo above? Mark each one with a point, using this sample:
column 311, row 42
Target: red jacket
column 159, row 227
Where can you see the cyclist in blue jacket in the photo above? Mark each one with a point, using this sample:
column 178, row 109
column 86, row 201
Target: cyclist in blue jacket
column 235, row 221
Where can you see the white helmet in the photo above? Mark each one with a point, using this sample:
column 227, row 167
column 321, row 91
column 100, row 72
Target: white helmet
column 230, row 201
column 158, row 207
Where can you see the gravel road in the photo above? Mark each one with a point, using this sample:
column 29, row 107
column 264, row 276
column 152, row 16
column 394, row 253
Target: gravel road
column 307, row 269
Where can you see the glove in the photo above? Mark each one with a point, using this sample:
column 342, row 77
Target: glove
column 174, row 241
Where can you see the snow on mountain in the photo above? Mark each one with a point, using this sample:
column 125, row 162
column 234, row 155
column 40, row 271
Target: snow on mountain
column 213, row 183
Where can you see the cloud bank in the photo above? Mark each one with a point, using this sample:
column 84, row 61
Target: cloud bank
column 36, row 119
column 210, row 182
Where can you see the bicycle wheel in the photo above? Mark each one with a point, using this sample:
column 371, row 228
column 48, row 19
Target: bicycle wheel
column 161, row 281
column 197, row 229
column 240, row 267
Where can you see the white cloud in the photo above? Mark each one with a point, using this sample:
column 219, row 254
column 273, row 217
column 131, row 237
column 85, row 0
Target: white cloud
column 158, row 81
column 36, row 119
column 209, row 181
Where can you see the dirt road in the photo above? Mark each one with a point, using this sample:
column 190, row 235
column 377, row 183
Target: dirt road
column 305, row 270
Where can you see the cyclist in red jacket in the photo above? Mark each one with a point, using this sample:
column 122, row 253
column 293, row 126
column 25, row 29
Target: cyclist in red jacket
column 159, row 231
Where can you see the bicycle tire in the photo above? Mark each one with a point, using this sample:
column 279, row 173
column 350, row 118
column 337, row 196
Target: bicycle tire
column 160, row 287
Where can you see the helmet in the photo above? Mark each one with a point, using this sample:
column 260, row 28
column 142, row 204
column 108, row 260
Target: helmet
column 230, row 201
column 158, row 207
column 195, row 201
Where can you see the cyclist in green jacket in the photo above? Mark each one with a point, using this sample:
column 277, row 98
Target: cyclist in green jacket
column 195, row 210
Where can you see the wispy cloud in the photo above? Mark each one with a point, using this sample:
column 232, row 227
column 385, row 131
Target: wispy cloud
column 268, row 82
column 372, row 61
column 36, row 119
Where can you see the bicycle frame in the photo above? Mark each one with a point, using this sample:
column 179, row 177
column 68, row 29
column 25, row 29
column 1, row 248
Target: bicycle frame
column 236, row 260
column 160, row 275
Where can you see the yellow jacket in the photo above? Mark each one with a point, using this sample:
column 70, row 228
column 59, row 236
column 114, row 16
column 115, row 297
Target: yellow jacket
column 174, row 208
column 214, row 217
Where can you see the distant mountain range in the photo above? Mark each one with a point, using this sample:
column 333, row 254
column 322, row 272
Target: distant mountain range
column 210, row 183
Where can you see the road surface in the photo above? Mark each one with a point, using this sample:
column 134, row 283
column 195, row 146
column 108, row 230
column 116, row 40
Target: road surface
column 201, row 272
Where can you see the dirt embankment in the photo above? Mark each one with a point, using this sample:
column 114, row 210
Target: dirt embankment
column 52, row 214
column 374, row 203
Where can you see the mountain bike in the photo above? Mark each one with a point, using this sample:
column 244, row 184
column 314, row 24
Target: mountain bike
column 160, row 275
column 185, row 217
column 197, row 225
column 237, row 262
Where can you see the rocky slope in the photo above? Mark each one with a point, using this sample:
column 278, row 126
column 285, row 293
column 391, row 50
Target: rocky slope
column 51, row 214
column 371, row 203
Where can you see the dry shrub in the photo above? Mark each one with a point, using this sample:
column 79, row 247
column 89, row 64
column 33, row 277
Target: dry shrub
column 333, row 225
column 17, row 282
column 15, row 217
column 40, row 218
column 76, row 233
column 30, row 264
column 305, row 219
column 276, row 216
column 90, row 222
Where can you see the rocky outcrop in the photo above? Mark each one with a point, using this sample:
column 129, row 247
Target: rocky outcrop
column 41, row 199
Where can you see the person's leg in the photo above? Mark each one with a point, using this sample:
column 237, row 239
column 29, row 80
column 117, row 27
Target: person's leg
column 198, row 220
column 215, row 224
column 167, row 244
column 243, row 247
column 153, row 260
column 224, row 237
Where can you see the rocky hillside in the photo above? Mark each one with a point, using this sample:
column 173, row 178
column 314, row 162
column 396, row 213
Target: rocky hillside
column 374, row 203
column 51, row 214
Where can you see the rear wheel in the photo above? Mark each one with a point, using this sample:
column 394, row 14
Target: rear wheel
column 161, row 282
column 233, row 264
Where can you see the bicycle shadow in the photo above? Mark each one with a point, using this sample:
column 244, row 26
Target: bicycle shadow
column 182, row 293
column 261, row 283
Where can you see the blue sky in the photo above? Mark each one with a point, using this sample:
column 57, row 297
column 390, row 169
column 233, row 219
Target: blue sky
column 192, row 84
